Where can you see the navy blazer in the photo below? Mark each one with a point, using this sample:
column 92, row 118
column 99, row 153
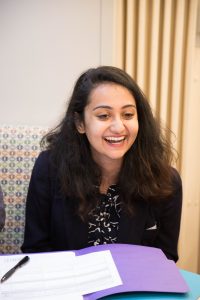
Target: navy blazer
column 52, row 225
column 2, row 210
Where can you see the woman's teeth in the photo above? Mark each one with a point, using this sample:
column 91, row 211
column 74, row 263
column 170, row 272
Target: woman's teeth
column 115, row 139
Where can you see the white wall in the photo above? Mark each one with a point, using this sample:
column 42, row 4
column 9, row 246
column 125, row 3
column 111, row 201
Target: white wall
column 45, row 45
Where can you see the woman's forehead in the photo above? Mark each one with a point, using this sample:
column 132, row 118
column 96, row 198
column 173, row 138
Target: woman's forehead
column 110, row 94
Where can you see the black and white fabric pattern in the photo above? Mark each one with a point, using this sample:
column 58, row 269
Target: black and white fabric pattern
column 103, row 222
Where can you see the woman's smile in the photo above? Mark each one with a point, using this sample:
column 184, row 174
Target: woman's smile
column 114, row 139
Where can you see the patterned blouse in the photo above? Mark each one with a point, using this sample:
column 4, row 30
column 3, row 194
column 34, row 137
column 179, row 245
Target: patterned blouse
column 103, row 222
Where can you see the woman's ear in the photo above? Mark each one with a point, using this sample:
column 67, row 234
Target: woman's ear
column 79, row 123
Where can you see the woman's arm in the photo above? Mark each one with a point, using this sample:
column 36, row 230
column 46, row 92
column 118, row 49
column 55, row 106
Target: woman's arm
column 169, row 221
column 38, row 208
column 2, row 211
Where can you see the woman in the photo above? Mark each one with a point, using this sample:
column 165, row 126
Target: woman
column 105, row 176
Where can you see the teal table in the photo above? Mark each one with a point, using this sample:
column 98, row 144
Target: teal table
column 192, row 279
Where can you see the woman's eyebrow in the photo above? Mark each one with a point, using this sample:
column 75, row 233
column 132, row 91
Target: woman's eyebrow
column 109, row 107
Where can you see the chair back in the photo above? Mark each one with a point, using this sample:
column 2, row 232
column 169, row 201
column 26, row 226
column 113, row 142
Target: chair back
column 19, row 147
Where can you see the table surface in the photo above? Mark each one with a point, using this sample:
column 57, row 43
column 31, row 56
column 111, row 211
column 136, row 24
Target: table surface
column 193, row 282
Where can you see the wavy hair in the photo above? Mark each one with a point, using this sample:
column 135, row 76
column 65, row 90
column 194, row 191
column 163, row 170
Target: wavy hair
column 145, row 171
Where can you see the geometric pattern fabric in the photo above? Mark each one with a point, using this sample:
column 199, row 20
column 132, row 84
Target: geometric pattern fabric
column 19, row 147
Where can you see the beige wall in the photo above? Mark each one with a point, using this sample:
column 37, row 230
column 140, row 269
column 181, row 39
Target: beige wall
column 189, row 246
column 45, row 45
column 156, row 44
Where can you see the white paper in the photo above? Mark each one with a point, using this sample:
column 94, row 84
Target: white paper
column 96, row 271
column 58, row 276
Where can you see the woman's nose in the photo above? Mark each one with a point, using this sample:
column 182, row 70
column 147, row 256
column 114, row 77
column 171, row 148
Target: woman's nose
column 117, row 125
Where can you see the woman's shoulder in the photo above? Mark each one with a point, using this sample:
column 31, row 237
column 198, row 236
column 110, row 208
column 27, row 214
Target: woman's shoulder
column 42, row 159
column 176, row 178
column 42, row 162
column 43, row 156
column 175, row 197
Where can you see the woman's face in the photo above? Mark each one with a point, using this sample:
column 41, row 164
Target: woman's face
column 110, row 122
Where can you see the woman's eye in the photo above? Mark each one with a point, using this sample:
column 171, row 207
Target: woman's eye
column 103, row 116
column 128, row 116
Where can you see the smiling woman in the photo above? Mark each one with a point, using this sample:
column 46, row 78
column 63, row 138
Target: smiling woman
column 105, row 174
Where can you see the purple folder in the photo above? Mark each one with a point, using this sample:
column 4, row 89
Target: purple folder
column 142, row 269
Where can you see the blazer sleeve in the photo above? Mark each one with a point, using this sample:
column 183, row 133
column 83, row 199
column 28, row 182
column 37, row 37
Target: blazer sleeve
column 38, row 208
column 2, row 210
column 169, row 221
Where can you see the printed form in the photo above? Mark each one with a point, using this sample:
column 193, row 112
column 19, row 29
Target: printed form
column 58, row 275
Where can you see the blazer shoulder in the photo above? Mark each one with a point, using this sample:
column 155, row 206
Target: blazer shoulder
column 176, row 179
column 43, row 157
column 42, row 164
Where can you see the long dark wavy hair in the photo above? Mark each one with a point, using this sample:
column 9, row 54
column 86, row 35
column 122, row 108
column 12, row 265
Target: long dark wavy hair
column 145, row 172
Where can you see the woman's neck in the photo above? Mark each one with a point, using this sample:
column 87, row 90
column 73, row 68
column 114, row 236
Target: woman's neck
column 109, row 176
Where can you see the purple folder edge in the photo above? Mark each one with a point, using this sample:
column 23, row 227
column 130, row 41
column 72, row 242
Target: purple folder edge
column 141, row 268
